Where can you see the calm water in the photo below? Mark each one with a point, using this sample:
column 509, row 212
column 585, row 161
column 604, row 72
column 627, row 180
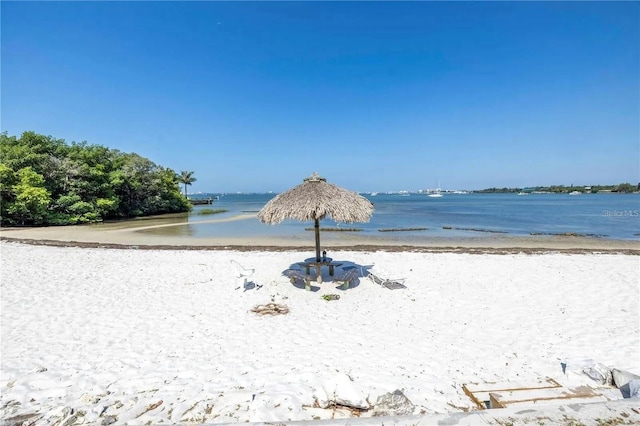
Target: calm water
column 607, row 215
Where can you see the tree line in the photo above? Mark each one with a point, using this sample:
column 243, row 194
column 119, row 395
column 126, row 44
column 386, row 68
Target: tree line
column 45, row 181
column 559, row 189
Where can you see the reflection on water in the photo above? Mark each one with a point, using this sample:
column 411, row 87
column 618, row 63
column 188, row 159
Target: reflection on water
column 179, row 230
column 171, row 225
column 174, row 218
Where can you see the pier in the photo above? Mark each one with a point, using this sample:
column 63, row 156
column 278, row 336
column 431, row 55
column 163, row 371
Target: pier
column 201, row 201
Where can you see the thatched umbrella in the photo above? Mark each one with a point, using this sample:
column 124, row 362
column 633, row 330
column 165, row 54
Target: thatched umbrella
column 315, row 199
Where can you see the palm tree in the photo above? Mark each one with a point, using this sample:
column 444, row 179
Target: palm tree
column 187, row 179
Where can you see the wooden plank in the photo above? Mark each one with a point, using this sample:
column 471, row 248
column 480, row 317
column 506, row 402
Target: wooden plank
column 504, row 399
column 479, row 392
column 298, row 275
column 557, row 401
column 528, row 384
column 347, row 277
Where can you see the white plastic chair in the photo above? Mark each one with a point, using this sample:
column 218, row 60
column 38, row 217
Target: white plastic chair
column 242, row 273
column 391, row 284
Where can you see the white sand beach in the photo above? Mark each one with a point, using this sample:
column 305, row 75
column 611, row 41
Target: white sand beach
column 125, row 336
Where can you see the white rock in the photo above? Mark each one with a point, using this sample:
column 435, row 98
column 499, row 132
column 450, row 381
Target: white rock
column 393, row 404
column 343, row 391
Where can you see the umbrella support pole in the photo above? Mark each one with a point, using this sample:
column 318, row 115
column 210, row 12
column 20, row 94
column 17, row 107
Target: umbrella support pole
column 317, row 231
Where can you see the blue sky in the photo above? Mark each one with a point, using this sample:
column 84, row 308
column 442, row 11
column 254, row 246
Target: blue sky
column 374, row 96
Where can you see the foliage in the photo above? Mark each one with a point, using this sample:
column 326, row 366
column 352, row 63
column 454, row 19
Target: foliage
column 562, row 189
column 625, row 187
column 186, row 178
column 31, row 198
column 329, row 297
column 45, row 181
column 211, row 211
column 498, row 190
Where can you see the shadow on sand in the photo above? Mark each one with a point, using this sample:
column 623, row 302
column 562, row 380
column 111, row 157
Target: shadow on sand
column 297, row 273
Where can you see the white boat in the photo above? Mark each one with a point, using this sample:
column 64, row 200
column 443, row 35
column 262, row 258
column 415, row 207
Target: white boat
column 435, row 193
column 575, row 193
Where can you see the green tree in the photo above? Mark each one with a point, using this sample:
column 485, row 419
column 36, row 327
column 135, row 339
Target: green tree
column 7, row 197
column 625, row 187
column 186, row 178
column 31, row 198
column 44, row 180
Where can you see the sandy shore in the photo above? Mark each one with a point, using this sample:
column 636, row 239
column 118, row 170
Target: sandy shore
column 170, row 336
column 127, row 235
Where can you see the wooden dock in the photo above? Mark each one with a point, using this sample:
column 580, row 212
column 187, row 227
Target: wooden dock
column 201, row 201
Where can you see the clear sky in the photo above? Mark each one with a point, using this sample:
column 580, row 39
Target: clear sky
column 374, row 96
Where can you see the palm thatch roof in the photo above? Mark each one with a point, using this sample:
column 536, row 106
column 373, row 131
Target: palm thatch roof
column 316, row 199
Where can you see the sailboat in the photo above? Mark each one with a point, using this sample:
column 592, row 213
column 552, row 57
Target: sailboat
column 435, row 193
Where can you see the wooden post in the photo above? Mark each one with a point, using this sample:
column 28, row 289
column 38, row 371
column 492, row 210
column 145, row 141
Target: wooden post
column 317, row 231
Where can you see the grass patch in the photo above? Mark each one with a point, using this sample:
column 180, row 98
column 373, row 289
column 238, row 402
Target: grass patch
column 569, row 234
column 476, row 230
column 401, row 229
column 211, row 211
column 615, row 421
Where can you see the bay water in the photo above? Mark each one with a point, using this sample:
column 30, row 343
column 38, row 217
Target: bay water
column 410, row 216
